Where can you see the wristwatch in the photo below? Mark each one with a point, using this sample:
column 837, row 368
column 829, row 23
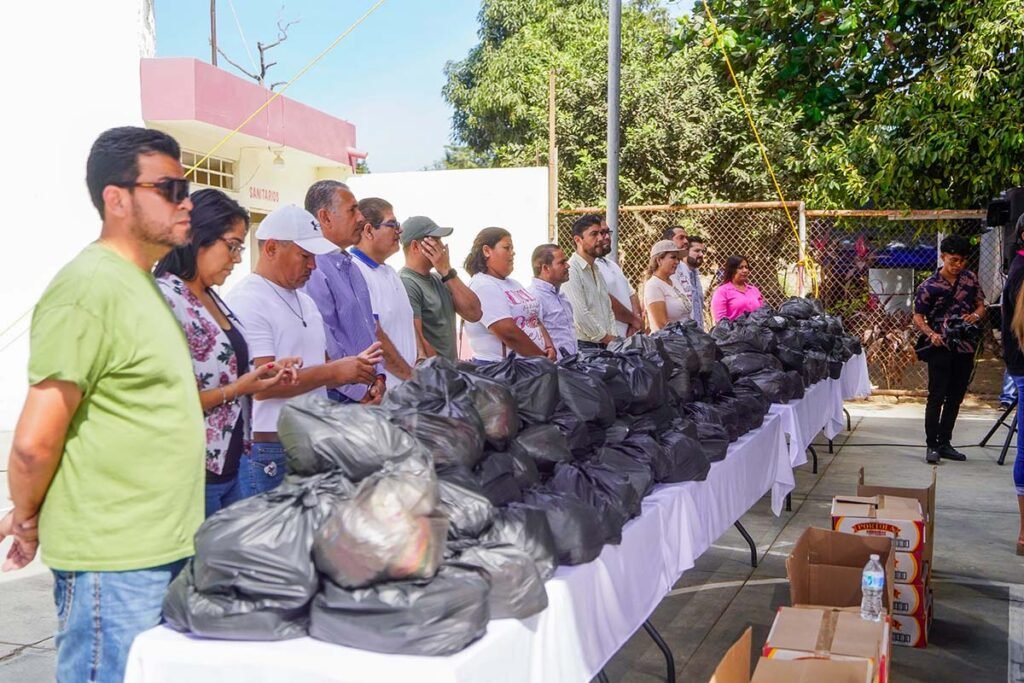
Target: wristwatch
column 449, row 275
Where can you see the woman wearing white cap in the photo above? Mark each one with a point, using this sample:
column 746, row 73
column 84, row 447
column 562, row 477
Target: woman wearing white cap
column 666, row 298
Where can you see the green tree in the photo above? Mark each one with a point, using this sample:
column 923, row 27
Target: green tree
column 904, row 103
column 684, row 136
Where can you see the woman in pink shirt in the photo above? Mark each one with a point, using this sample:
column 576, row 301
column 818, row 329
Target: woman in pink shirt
column 735, row 295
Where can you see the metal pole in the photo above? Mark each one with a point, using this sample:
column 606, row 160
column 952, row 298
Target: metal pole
column 801, row 271
column 213, row 32
column 614, row 63
column 552, row 162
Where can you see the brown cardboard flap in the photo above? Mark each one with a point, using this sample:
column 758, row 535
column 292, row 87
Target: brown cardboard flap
column 810, row 671
column 800, row 629
column 877, row 507
column 856, row 637
column 735, row 664
column 825, row 567
column 925, row 496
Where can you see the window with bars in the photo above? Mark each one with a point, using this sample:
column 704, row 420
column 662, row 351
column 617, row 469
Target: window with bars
column 213, row 172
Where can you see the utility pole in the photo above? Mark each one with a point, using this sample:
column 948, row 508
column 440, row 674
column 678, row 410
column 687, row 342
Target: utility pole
column 614, row 63
column 552, row 162
column 213, row 32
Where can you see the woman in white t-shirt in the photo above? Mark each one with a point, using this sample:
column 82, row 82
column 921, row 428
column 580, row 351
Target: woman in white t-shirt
column 666, row 298
column 511, row 315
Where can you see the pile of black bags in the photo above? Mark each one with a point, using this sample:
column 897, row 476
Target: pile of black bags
column 404, row 528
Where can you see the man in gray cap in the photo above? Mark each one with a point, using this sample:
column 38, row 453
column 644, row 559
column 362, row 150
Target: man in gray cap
column 435, row 296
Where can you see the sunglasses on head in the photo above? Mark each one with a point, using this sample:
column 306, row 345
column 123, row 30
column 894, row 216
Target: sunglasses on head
column 174, row 190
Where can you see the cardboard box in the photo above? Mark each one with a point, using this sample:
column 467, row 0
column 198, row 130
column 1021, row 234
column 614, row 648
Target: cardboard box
column 911, row 569
column 735, row 668
column 837, row 634
column 910, row 599
column 825, row 567
column 924, row 495
column 895, row 517
column 912, row 630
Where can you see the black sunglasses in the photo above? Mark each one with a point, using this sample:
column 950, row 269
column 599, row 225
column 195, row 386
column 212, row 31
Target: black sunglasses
column 174, row 190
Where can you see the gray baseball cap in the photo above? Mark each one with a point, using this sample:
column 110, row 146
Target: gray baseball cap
column 418, row 227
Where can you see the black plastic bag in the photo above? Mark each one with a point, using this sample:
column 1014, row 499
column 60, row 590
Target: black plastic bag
column 524, row 469
column 526, row 528
column 714, row 439
column 790, row 359
column 835, row 366
column 747, row 363
column 701, row 342
column 496, row 476
column 321, row 435
column 575, row 526
column 387, row 529
column 678, row 348
column 533, row 382
column 746, row 387
column 469, row 511
column 497, row 408
column 260, row 548
column 517, row 589
column 797, row 307
column 685, row 455
column 815, row 367
column 570, row 479
column 544, row 444
column 747, row 337
column 796, row 384
column 438, row 387
column 635, row 460
column 436, row 617
column 449, row 440
column 748, row 409
column 651, row 348
column 619, row 430
column 718, row 382
column 575, row 431
column 603, row 366
column 680, row 384
column 774, row 384
column 585, row 395
column 229, row 616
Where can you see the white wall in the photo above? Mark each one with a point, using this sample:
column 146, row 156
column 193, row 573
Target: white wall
column 512, row 198
column 73, row 72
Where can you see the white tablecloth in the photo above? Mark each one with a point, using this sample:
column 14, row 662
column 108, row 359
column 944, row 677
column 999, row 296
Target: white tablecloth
column 855, row 381
column 820, row 409
column 593, row 608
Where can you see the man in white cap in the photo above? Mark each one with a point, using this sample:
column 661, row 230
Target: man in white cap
column 281, row 321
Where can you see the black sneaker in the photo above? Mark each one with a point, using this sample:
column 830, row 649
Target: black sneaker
column 949, row 453
column 932, row 457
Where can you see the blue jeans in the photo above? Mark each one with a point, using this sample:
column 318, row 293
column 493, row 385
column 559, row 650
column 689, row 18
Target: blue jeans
column 219, row 496
column 1009, row 392
column 262, row 470
column 1018, row 463
column 98, row 616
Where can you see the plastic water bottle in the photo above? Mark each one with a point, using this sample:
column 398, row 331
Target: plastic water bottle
column 872, row 584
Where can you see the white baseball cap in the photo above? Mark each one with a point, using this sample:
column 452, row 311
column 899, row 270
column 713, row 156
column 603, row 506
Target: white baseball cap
column 292, row 223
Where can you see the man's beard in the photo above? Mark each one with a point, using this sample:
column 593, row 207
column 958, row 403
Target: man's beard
column 154, row 233
column 603, row 249
column 693, row 263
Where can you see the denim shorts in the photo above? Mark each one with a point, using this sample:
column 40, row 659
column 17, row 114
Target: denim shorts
column 263, row 469
column 98, row 616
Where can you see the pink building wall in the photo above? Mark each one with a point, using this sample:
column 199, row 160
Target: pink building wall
column 186, row 89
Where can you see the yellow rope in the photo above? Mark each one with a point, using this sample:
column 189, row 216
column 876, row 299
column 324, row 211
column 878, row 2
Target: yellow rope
column 803, row 260
column 287, row 85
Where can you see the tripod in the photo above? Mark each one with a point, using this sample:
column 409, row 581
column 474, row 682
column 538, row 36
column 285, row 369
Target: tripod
column 1001, row 422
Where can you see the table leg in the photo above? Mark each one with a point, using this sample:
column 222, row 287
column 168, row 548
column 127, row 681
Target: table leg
column 746, row 537
column 789, row 502
column 602, row 677
column 1009, row 438
column 830, row 451
column 814, row 459
column 849, row 420
column 670, row 662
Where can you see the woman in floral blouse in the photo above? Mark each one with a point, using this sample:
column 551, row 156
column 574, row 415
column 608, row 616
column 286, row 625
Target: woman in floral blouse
column 220, row 355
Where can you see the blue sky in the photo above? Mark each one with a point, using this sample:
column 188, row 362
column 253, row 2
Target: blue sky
column 385, row 77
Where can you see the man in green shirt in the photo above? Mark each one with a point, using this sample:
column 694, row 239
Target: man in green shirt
column 106, row 470
column 435, row 296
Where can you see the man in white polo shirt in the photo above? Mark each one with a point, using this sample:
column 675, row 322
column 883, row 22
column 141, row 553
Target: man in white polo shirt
column 625, row 304
column 280, row 321
column 378, row 240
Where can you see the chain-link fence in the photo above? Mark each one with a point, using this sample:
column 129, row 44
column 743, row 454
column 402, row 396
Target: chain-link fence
column 866, row 267
column 759, row 231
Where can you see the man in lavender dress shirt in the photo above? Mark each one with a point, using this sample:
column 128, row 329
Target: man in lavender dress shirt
column 550, row 272
column 338, row 288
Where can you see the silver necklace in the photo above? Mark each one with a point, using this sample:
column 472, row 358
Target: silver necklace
column 298, row 301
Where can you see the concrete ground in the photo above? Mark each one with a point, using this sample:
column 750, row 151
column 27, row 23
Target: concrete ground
column 979, row 587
